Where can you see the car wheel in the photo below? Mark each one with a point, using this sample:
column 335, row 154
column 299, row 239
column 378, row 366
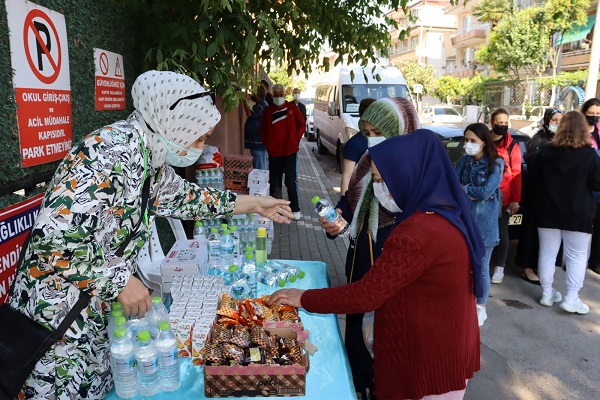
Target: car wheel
column 322, row 149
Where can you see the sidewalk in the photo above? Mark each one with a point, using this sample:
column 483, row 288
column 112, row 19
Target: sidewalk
column 528, row 351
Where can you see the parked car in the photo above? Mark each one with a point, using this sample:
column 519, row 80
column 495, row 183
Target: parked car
column 452, row 138
column 310, row 124
column 440, row 115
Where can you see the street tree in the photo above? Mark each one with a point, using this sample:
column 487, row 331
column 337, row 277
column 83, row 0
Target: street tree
column 492, row 11
column 448, row 88
column 419, row 74
column 220, row 42
column 280, row 74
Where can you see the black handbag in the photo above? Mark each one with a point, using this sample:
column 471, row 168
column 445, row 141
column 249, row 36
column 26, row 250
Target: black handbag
column 23, row 342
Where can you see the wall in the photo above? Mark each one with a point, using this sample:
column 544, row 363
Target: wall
column 104, row 24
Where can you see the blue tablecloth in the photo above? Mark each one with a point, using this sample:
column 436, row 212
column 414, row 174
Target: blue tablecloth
column 329, row 375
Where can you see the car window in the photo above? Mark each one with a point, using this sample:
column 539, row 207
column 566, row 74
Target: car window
column 446, row 111
column 454, row 148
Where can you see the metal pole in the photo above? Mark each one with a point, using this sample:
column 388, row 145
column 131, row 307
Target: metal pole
column 592, row 79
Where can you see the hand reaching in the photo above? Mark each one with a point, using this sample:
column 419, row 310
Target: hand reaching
column 291, row 297
column 135, row 298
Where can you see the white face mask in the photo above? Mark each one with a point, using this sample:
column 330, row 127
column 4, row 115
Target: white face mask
column 192, row 154
column 297, row 96
column 374, row 140
column 552, row 127
column 385, row 198
column 473, row 149
column 278, row 101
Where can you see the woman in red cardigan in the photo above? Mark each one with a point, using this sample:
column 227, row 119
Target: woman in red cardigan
column 423, row 286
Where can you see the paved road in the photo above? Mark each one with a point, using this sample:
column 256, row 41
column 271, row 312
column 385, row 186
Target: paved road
column 528, row 352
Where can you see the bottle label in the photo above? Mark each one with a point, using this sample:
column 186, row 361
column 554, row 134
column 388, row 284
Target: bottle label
column 123, row 365
column 148, row 367
column 168, row 358
column 332, row 215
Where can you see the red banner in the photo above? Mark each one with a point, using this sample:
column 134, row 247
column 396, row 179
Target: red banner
column 15, row 223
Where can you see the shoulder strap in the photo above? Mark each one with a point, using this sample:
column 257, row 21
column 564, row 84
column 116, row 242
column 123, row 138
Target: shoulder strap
column 509, row 150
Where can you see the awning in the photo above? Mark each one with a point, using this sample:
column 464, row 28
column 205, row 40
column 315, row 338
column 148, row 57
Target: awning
column 578, row 32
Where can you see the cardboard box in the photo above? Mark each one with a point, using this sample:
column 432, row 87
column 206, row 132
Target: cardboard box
column 258, row 178
column 264, row 191
column 259, row 380
column 186, row 257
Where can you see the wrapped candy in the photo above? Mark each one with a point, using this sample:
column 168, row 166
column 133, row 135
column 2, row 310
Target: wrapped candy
column 240, row 336
column 213, row 354
column 233, row 354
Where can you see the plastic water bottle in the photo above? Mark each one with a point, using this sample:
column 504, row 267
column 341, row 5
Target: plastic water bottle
column 250, row 273
column 326, row 210
column 220, row 180
column 123, row 364
column 251, row 237
column 214, row 252
column 269, row 278
column 236, row 240
column 212, row 179
column 158, row 314
column 261, row 246
column 166, row 344
column 239, row 285
column 226, row 248
column 146, row 357
column 222, row 229
column 199, row 230
column 113, row 324
column 115, row 313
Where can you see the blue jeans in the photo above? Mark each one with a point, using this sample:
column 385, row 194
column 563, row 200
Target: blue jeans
column 485, row 271
column 260, row 158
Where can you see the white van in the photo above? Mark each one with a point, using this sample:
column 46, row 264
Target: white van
column 337, row 98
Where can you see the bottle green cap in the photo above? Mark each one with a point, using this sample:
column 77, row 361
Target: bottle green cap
column 164, row 325
column 143, row 335
column 226, row 232
column 214, row 230
column 232, row 268
column 117, row 313
column 315, row 199
column 292, row 278
column 120, row 321
column 156, row 300
column 249, row 249
column 233, row 228
column 301, row 274
column 198, row 223
column 224, row 226
column 120, row 332
column 281, row 283
column 117, row 306
column 249, row 256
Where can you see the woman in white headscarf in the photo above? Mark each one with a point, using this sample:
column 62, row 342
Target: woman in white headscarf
column 91, row 226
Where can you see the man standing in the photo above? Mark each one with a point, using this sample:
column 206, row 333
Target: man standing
column 281, row 129
column 252, row 138
column 301, row 106
column 268, row 96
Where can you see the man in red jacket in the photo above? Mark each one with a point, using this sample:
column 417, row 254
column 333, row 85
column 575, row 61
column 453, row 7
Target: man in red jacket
column 281, row 129
column 510, row 186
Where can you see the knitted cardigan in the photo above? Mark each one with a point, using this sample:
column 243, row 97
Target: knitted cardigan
column 426, row 336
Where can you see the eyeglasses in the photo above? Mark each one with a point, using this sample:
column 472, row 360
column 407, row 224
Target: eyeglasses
column 195, row 96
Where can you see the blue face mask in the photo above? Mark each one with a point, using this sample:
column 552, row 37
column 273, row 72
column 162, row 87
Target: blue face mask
column 192, row 154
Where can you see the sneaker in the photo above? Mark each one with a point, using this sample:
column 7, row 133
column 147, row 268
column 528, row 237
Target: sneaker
column 481, row 314
column 498, row 275
column 547, row 301
column 297, row 215
column 575, row 306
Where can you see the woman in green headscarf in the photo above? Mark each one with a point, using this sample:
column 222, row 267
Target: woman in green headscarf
column 370, row 224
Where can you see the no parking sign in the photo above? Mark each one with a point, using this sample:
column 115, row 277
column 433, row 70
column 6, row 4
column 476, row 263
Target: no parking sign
column 40, row 60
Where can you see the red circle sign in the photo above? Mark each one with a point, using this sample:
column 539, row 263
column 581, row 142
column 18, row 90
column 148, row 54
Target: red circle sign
column 55, row 64
column 103, row 62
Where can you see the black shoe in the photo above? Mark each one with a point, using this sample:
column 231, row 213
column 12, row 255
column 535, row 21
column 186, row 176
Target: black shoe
column 532, row 281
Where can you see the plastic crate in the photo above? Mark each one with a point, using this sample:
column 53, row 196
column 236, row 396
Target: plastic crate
column 238, row 162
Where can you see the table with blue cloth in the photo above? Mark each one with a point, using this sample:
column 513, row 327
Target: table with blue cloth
column 329, row 376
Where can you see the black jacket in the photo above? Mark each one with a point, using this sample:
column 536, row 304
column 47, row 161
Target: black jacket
column 564, row 179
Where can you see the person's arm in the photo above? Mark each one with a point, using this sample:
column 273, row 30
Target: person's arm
column 347, row 169
column 515, row 183
column 594, row 174
column 181, row 199
column 458, row 168
column 247, row 109
column 401, row 263
column 264, row 127
column 300, row 123
column 493, row 182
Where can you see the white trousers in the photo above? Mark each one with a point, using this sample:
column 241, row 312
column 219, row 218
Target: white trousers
column 575, row 249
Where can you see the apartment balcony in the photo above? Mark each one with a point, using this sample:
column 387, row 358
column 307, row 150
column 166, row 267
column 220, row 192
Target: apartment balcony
column 461, row 72
column 575, row 59
column 470, row 37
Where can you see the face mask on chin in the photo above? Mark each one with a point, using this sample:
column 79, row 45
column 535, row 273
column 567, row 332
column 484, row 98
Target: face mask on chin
column 278, row 101
column 500, row 129
column 386, row 201
column 192, row 154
